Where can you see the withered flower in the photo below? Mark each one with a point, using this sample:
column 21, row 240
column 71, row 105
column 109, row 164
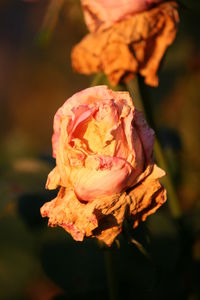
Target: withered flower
column 104, row 166
column 122, row 42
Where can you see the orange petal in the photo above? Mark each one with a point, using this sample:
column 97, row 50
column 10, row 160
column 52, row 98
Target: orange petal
column 147, row 196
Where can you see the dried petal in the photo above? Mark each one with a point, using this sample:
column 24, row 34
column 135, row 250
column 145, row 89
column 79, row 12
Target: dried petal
column 103, row 218
column 131, row 46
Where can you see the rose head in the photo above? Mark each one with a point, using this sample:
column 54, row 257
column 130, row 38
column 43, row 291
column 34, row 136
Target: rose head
column 101, row 14
column 99, row 150
column 122, row 44
column 102, row 146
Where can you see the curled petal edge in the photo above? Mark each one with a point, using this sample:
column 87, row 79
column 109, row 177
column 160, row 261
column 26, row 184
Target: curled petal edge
column 103, row 218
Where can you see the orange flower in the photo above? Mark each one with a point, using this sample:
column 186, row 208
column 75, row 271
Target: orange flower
column 103, row 149
column 135, row 43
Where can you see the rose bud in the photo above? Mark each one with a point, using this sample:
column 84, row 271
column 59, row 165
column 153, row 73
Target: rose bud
column 124, row 43
column 104, row 166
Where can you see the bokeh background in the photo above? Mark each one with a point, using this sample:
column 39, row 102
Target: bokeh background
column 38, row 263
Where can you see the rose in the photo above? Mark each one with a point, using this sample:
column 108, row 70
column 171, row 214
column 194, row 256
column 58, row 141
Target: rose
column 101, row 14
column 123, row 45
column 98, row 151
column 102, row 146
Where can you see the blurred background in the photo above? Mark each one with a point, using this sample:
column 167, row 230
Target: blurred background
column 38, row 263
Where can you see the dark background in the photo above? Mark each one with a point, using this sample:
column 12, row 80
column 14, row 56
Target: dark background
column 40, row 263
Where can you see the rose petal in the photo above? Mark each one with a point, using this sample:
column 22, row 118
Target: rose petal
column 90, row 183
column 53, row 180
column 66, row 211
column 101, row 14
column 146, row 135
column 84, row 98
column 147, row 197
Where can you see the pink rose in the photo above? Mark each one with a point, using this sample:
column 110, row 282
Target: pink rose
column 102, row 146
column 101, row 14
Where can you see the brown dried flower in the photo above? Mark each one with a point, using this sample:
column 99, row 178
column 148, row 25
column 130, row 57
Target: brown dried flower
column 133, row 45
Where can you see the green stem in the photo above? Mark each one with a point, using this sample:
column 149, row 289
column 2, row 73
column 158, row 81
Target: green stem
column 110, row 271
column 138, row 87
column 167, row 180
column 98, row 79
column 111, row 278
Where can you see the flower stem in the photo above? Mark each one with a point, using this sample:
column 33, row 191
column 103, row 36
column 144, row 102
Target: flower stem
column 167, row 180
column 111, row 278
column 143, row 102
column 98, row 79
column 110, row 271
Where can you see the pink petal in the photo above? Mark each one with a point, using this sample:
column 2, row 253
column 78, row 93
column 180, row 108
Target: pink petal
column 109, row 177
column 80, row 115
column 146, row 135
column 86, row 97
column 101, row 14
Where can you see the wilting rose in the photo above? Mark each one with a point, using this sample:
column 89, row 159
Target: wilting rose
column 101, row 14
column 104, row 167
column 132, row 45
